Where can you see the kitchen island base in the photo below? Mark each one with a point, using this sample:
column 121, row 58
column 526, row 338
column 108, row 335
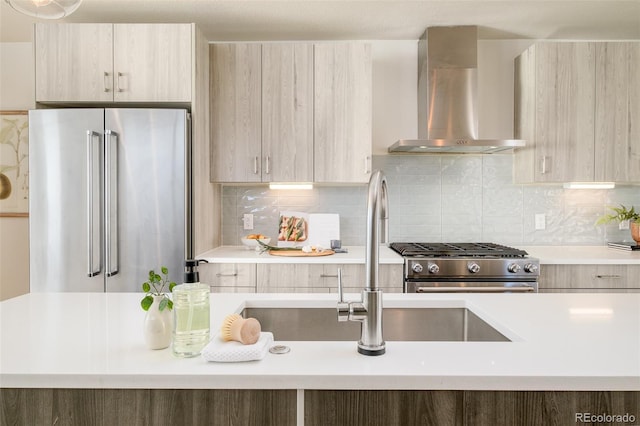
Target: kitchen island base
column 26, row 406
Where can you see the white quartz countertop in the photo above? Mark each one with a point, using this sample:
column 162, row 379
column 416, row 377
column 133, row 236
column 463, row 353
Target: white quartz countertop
column 548, row 255
column 559, row 342
column 241, row 254
column 582, row 255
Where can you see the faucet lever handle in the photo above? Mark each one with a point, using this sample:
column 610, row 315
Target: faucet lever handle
column 343, row 307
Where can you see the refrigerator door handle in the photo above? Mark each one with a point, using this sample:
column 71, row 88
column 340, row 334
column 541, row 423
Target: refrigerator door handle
column 93, row 265
column 111, row 202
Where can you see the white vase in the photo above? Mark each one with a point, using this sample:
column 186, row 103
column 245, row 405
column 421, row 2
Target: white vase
column 158, row 325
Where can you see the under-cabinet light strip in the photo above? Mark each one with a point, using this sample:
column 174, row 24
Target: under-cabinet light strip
column 290, row 186
column 589, row 185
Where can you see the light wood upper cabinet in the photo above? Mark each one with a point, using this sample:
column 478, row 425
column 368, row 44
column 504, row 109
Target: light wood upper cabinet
column 262, row 112
column 73, row 62
column 152, row 62
column 343, row 110
column 291, row 112
column 235, row 73
column 617, row 113
column 577, row 107
column 287, row 112
column 555, row 98
column 114, row 62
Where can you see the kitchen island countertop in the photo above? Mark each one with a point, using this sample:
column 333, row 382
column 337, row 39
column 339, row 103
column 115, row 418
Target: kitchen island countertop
column 559, row 342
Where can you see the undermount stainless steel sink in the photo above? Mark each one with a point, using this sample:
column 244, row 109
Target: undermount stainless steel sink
column 399, row 324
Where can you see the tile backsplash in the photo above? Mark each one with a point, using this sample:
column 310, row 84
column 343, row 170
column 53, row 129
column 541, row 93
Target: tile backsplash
column 442, row 198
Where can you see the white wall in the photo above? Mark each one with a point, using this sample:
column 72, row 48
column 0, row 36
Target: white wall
column 16, row 93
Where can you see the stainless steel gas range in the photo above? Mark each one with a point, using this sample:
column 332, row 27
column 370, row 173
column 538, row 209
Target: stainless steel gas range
column 467, row 267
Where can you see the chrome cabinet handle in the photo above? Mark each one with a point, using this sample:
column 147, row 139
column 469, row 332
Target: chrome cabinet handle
column 255, row 165
column 367, row 169
column 105, row 82
column 118, row 88
column 545, row 165
column 268, row 165
column 111, row 202
column 91, row 170
column 339, row 275
column 612, row 276
column 226, row 275
column 343, row 308
column 495, row 289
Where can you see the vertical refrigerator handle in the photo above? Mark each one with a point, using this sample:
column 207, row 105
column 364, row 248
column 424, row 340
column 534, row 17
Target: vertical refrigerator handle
column 93, row 265
column 111, row 202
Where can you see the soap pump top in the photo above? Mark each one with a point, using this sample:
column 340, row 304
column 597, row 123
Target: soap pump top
column 191, row 274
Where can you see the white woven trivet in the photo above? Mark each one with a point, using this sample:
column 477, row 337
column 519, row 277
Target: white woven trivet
column 220, row 351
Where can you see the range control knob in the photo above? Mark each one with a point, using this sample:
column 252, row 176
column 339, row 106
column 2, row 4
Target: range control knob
column 531, row 268
column 514, row 268
column 473, row 267
column 433, row 268
column 417, row 268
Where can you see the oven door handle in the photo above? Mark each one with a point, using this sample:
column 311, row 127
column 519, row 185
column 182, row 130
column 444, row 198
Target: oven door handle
column 483, row 289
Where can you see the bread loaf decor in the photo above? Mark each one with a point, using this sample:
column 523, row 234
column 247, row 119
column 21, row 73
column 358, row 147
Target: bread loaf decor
column 245, row 331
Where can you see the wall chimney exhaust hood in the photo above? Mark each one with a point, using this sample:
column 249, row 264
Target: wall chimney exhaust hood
column 447, row 96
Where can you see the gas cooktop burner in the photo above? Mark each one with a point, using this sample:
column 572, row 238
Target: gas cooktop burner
column 457, row 250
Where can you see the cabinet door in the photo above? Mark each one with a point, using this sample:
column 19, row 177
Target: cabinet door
column 290, row 278
column 342, row 119
column 236, row 112
column 617, row 141
column 287, row 112
column 633, row 160
column 354, row 277
column 588, row 278
column 73, row 62
column 565, row 109
column 524, row 159
column 152, row 62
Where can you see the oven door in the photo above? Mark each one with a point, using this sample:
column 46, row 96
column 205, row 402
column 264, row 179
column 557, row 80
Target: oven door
column 422, row 286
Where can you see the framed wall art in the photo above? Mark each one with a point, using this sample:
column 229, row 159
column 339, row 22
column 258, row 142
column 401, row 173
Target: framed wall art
column 14, row 164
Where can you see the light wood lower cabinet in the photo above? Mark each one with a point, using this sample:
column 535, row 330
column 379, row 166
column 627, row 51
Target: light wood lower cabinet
column 229, row 277
column 589, row 278
column 323, row 278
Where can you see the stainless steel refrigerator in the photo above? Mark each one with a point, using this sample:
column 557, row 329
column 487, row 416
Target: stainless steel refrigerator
column 110, row 197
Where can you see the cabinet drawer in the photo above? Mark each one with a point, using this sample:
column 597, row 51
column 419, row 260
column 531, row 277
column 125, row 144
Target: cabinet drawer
column 290, row 278
column 225, row 289
column 228, row 275
column 322, row 278
column 354, row 276
column 588, row 277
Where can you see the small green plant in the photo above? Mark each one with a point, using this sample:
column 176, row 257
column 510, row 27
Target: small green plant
column 155, row 286
column 621, row 214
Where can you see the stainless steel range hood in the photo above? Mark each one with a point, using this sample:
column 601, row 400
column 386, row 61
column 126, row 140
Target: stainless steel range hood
column 447, row 96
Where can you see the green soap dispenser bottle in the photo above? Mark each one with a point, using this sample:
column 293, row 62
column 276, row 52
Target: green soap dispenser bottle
column 191, row 310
